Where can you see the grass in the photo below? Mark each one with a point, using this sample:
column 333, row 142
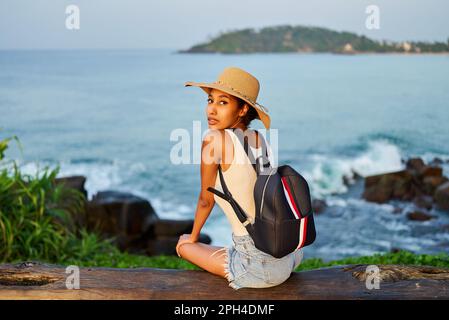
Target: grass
column 110, row 256
column 402, row 257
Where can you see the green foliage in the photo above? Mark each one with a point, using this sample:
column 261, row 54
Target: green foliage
column 37, row 215
column 403, row 257
column 286, row 38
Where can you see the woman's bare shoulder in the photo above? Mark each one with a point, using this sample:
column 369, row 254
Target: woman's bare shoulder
column 218, row 141
column 216, row 135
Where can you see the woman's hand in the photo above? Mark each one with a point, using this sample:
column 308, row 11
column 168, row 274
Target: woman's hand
column 185, row 238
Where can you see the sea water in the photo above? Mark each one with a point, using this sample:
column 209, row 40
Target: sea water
column 108, row 115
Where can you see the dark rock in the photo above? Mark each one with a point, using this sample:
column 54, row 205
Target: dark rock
column 415, row 164
column 377, row 195
column 76, row 219
column 162, row 246
column 416, row 190
column 430, row 171
column 431, row 183
column 356, row 175
column 162, row 241
column 168, row 228
column 419, row 216
column 403, row 188
column 383, row 187
column 417, row 181
column 441, row 196
column 424, row 202
column 318, row 205
column 346, row 180
column 73, row 182
column 167, row 245
column 204, row 238
column 134, row 224
column 120, row 214
column 436, row 162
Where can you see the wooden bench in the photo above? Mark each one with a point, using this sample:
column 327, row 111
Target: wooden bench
column 34, row 280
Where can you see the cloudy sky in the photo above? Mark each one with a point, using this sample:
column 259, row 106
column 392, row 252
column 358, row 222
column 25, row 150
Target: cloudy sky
column 178, row 24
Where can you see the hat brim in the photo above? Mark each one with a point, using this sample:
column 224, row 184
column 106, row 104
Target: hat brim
column 207, row 87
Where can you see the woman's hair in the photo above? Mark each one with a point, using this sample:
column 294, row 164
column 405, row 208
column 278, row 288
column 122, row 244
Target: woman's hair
column 250, row 115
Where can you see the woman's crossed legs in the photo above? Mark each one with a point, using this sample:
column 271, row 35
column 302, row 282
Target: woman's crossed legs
column 207, row 257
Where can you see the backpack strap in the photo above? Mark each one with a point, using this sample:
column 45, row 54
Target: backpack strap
column 244, row 218
column 254, row 162
column 226, row 195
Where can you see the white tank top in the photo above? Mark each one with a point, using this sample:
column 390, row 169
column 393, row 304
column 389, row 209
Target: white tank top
column 240, row 178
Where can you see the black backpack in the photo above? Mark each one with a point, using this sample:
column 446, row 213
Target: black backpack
column 284, row 215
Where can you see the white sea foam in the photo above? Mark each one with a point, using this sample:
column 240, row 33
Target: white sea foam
column 170, row 210
column 99, row 176
column 326, row 176
column 111, row 175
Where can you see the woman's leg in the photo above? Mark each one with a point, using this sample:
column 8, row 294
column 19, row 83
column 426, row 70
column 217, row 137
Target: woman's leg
column 207, row 257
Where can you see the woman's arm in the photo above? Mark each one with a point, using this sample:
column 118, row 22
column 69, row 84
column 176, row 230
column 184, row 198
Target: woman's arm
column 210, row 158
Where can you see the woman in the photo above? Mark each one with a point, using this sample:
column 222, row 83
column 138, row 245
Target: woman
column 231, row 105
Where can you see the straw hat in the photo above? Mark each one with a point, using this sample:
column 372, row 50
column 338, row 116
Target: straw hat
column 238, row 83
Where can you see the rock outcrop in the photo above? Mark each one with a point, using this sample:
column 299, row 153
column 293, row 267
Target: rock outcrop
column 130, row 220
column 423, row 184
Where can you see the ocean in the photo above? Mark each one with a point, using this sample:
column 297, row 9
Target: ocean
column 109, row 114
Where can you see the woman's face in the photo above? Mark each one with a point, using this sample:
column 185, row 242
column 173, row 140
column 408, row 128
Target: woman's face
column 223, row 111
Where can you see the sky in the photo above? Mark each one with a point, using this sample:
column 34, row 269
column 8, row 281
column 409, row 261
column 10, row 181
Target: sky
column 180, row 24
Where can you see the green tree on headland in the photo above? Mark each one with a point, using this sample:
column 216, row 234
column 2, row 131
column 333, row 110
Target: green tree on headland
column 286, row 38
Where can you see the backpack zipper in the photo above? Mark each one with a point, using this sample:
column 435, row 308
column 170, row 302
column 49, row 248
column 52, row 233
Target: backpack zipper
column 263, row 192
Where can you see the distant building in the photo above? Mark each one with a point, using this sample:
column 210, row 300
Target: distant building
column 406, row 46
column 348, row 48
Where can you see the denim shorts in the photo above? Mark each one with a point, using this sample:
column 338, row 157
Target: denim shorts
column 248, row 267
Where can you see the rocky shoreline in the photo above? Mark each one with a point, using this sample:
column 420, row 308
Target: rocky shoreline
column 129, row 219
column 133, row 223
column 419, row 183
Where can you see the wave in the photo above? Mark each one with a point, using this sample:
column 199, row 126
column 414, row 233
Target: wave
column 101, row 175
column 327, row 173
column 116, row 175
